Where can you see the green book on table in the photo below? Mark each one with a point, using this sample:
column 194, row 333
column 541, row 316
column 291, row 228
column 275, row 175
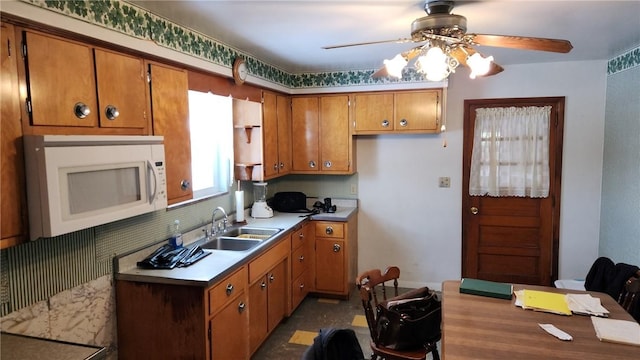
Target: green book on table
column 486, row 288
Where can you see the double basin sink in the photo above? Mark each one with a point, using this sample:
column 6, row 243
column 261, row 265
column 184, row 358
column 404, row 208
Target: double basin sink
column 238, row 238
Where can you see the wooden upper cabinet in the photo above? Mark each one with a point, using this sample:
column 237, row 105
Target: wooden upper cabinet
column 270, row 134
column 13, row 201
column 398, row 112
column 321, row 137
column 283, row 109
column 71, row 84
column 335, row 137
column 121, row 90
column 61, row 81
column 276, row 123
column 305, row 134
column 374, row 112
column 170, row 112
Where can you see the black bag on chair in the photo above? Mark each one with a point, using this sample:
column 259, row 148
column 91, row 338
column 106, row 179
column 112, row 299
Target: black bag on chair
column 409, row 321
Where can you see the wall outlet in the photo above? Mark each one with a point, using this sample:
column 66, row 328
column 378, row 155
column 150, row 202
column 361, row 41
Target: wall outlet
column 444, row 182
column 354, row 189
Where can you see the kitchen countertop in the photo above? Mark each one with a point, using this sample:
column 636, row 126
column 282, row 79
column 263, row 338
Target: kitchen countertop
column 213, row 267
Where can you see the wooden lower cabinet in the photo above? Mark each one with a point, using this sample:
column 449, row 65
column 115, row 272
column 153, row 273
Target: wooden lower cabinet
column 335, row 257
column 302, row 274
column 164, row 321
column 268, row 290
column 229, row 330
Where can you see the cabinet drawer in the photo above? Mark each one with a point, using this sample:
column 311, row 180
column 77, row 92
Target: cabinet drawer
column 299, row 262
column 227, row 289
column 297, row 239
column 268, row 260
column 330, row 230
column 299, row 289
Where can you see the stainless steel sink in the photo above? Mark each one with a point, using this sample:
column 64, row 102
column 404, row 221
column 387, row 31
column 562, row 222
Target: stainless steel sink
column 240, row 238
column 250, row 232
column 231, row 244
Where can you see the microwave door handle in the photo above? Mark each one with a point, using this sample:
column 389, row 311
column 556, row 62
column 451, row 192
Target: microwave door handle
column 152, row 195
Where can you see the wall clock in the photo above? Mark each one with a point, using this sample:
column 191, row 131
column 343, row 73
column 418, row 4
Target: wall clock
column 239, row 70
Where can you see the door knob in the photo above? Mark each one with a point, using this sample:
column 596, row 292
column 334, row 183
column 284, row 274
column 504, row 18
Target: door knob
column 474, row 210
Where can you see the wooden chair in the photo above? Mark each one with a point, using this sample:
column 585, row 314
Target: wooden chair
column 373, row 286
column 630, row 296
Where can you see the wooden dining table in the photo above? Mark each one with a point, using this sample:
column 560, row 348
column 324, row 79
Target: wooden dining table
column 480, row 327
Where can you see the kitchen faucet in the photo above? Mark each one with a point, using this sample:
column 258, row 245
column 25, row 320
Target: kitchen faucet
column 216, row 228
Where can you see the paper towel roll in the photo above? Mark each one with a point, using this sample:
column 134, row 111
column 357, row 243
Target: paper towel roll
column 239, row 206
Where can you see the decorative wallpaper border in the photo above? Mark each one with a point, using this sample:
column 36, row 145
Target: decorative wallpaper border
column 628, row 60
column 129, row 19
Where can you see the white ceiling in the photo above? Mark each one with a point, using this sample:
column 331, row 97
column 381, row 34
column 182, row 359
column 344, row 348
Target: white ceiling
column 290, row 34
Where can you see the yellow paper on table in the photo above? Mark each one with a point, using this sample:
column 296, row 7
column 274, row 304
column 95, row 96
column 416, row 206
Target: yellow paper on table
column 545, row 301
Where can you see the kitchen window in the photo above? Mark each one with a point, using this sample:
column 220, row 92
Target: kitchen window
column 211, row 129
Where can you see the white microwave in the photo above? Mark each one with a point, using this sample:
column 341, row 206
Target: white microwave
column 76, row 182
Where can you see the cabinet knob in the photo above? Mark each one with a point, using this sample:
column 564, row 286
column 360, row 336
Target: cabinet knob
column 263, row 285
column 336, row 247
column 301, row 286
column 403, row 122
column 271, row 278
column 229, row 289
column 275, row 167
column 312, row 164
column 241, row 307
column 301, row 258
column 327, row 164
column 111, row 112
column 184, row 184
column 385, row 123
column 328, row 230
column 281, row 165
column 81, row 110
column 301, row 236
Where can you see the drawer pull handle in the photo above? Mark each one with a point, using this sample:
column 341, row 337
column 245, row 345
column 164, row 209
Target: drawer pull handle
column 229, row 289
column 336, row 247
column 329, row 230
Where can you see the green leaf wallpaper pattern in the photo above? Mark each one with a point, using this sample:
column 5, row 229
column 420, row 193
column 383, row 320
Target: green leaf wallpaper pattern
column 131, row 20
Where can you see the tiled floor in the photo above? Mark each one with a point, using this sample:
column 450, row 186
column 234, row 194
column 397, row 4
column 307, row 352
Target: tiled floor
column 295, row 334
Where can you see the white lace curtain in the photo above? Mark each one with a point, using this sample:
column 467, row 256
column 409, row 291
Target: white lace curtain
column 511, row 152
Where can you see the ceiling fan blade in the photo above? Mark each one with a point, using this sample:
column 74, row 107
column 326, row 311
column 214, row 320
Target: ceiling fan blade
column 520, row 42
column 397, row 41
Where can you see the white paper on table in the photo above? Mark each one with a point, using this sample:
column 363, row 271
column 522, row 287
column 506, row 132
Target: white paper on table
column 585, row 304
column 617, row 331
column 551, row 329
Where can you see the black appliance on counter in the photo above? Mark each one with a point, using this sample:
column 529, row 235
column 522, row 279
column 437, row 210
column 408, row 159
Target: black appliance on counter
column 296, row 202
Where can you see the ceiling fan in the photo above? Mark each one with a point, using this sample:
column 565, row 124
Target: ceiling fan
column 446, row 34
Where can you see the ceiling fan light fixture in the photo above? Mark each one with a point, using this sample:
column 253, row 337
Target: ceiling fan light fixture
column 394, row 66
column 435, row 64
column 479, row 66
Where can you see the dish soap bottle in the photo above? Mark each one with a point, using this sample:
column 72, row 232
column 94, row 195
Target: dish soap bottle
column 176, row 236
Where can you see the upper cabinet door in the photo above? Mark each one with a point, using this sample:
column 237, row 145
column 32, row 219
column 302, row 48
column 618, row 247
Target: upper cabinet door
column 335, row 137
column 417, row 111
column 269, row 134
column 121, row 90
column 374, row 112
column 283, row 109
column 170, row 112
column 305, row 134
column 61, row 85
